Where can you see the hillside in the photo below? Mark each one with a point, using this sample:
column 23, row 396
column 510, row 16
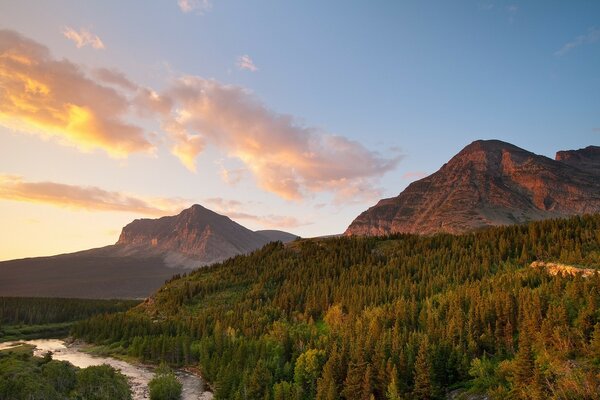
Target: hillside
column 489, row 183
column 407, row 316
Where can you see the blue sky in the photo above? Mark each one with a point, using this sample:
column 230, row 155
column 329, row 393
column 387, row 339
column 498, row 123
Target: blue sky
column 412, row 82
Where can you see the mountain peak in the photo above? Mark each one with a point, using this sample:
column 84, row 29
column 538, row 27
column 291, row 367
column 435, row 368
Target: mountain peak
column 194, row 237
column 487, row 183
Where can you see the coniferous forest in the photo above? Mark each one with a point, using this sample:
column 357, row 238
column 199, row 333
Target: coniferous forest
column 399, row 317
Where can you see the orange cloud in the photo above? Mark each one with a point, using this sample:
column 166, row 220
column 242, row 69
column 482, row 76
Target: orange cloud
column 83, row 38
column 85, row 197
column 287, row 158
column 54, row 98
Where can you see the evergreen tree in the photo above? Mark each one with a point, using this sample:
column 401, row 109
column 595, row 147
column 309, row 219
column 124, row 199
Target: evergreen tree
column 423, row 387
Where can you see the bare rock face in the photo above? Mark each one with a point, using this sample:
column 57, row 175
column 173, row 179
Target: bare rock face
column 195, row 237
column 587, row 159
column 489, row 183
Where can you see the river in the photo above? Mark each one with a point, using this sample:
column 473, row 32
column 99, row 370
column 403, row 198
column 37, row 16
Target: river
column 138, row 375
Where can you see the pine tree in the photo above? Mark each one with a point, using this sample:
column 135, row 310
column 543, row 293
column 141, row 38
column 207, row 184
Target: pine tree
column 524, row 363
column 423, row 388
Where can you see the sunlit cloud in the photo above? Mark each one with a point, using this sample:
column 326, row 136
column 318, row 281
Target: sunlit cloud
column 83, row 38
column 55, row 99
column 592, row 36
column 232, row 176
column 90, row 110
column 287, row 158
column 234, row 210
column 245, row 62
column 198, row 6
column 89, row 198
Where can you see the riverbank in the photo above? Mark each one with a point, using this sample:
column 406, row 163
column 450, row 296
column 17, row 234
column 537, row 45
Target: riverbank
column 139, row 375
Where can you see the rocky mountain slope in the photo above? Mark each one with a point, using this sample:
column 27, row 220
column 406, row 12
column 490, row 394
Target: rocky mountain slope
column 587, row 159
column 148, row 252
column 195, row 237
column 489, row 183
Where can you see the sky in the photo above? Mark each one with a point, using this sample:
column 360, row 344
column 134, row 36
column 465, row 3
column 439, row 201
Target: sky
column 282, row 115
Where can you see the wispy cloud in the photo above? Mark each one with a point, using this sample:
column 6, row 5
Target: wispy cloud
column 54, row 98
column 232, row 176
column 595, row 129
column 198, row 6
column 234, row 210
column 592, row 36
column 88, row 198
column 413, row 175
column 512, row 12
column 114, row 77
column 287, row 158
column 245, row 62
column 83, row 38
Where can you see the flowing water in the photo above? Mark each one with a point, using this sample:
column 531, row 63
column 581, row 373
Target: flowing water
column 138, row 375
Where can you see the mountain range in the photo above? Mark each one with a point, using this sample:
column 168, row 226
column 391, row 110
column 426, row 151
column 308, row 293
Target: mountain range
column 148, row 252
column 489, row 183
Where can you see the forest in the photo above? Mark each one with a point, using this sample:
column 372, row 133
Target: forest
column 38, row 317
column 398, row 317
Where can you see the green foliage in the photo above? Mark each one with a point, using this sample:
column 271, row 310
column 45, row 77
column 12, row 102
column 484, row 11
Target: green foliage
column 40, row 310
column 308, row 369
column 347, row 318
column 165, row 385
column 102, row 382
column 25, row 377
column 61, row 375
column 35, row 318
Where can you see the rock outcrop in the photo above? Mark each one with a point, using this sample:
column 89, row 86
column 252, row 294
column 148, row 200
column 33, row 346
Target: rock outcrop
column 489, row 183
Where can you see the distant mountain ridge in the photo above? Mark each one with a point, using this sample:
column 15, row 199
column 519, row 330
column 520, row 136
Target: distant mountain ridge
column 195, row 237
column 148, row 252
column 489, row 183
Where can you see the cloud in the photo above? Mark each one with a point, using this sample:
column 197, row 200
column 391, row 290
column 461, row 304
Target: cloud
column 233, row 209
column 58, row 99
column 413, row 175
column 596, row 129
column 232, row 176
column 114, row 77
column 200, row 6
column 88, row 198
column 512, row 12
column 55, row 99
column 592, row 36
column 245, row 62
column 287, row 158
column 83, row 38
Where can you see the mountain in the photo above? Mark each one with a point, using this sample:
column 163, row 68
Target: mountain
column 195, row 237
column 273, row 235
column 587, row 159
column 148, row 252
column 489, row 183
